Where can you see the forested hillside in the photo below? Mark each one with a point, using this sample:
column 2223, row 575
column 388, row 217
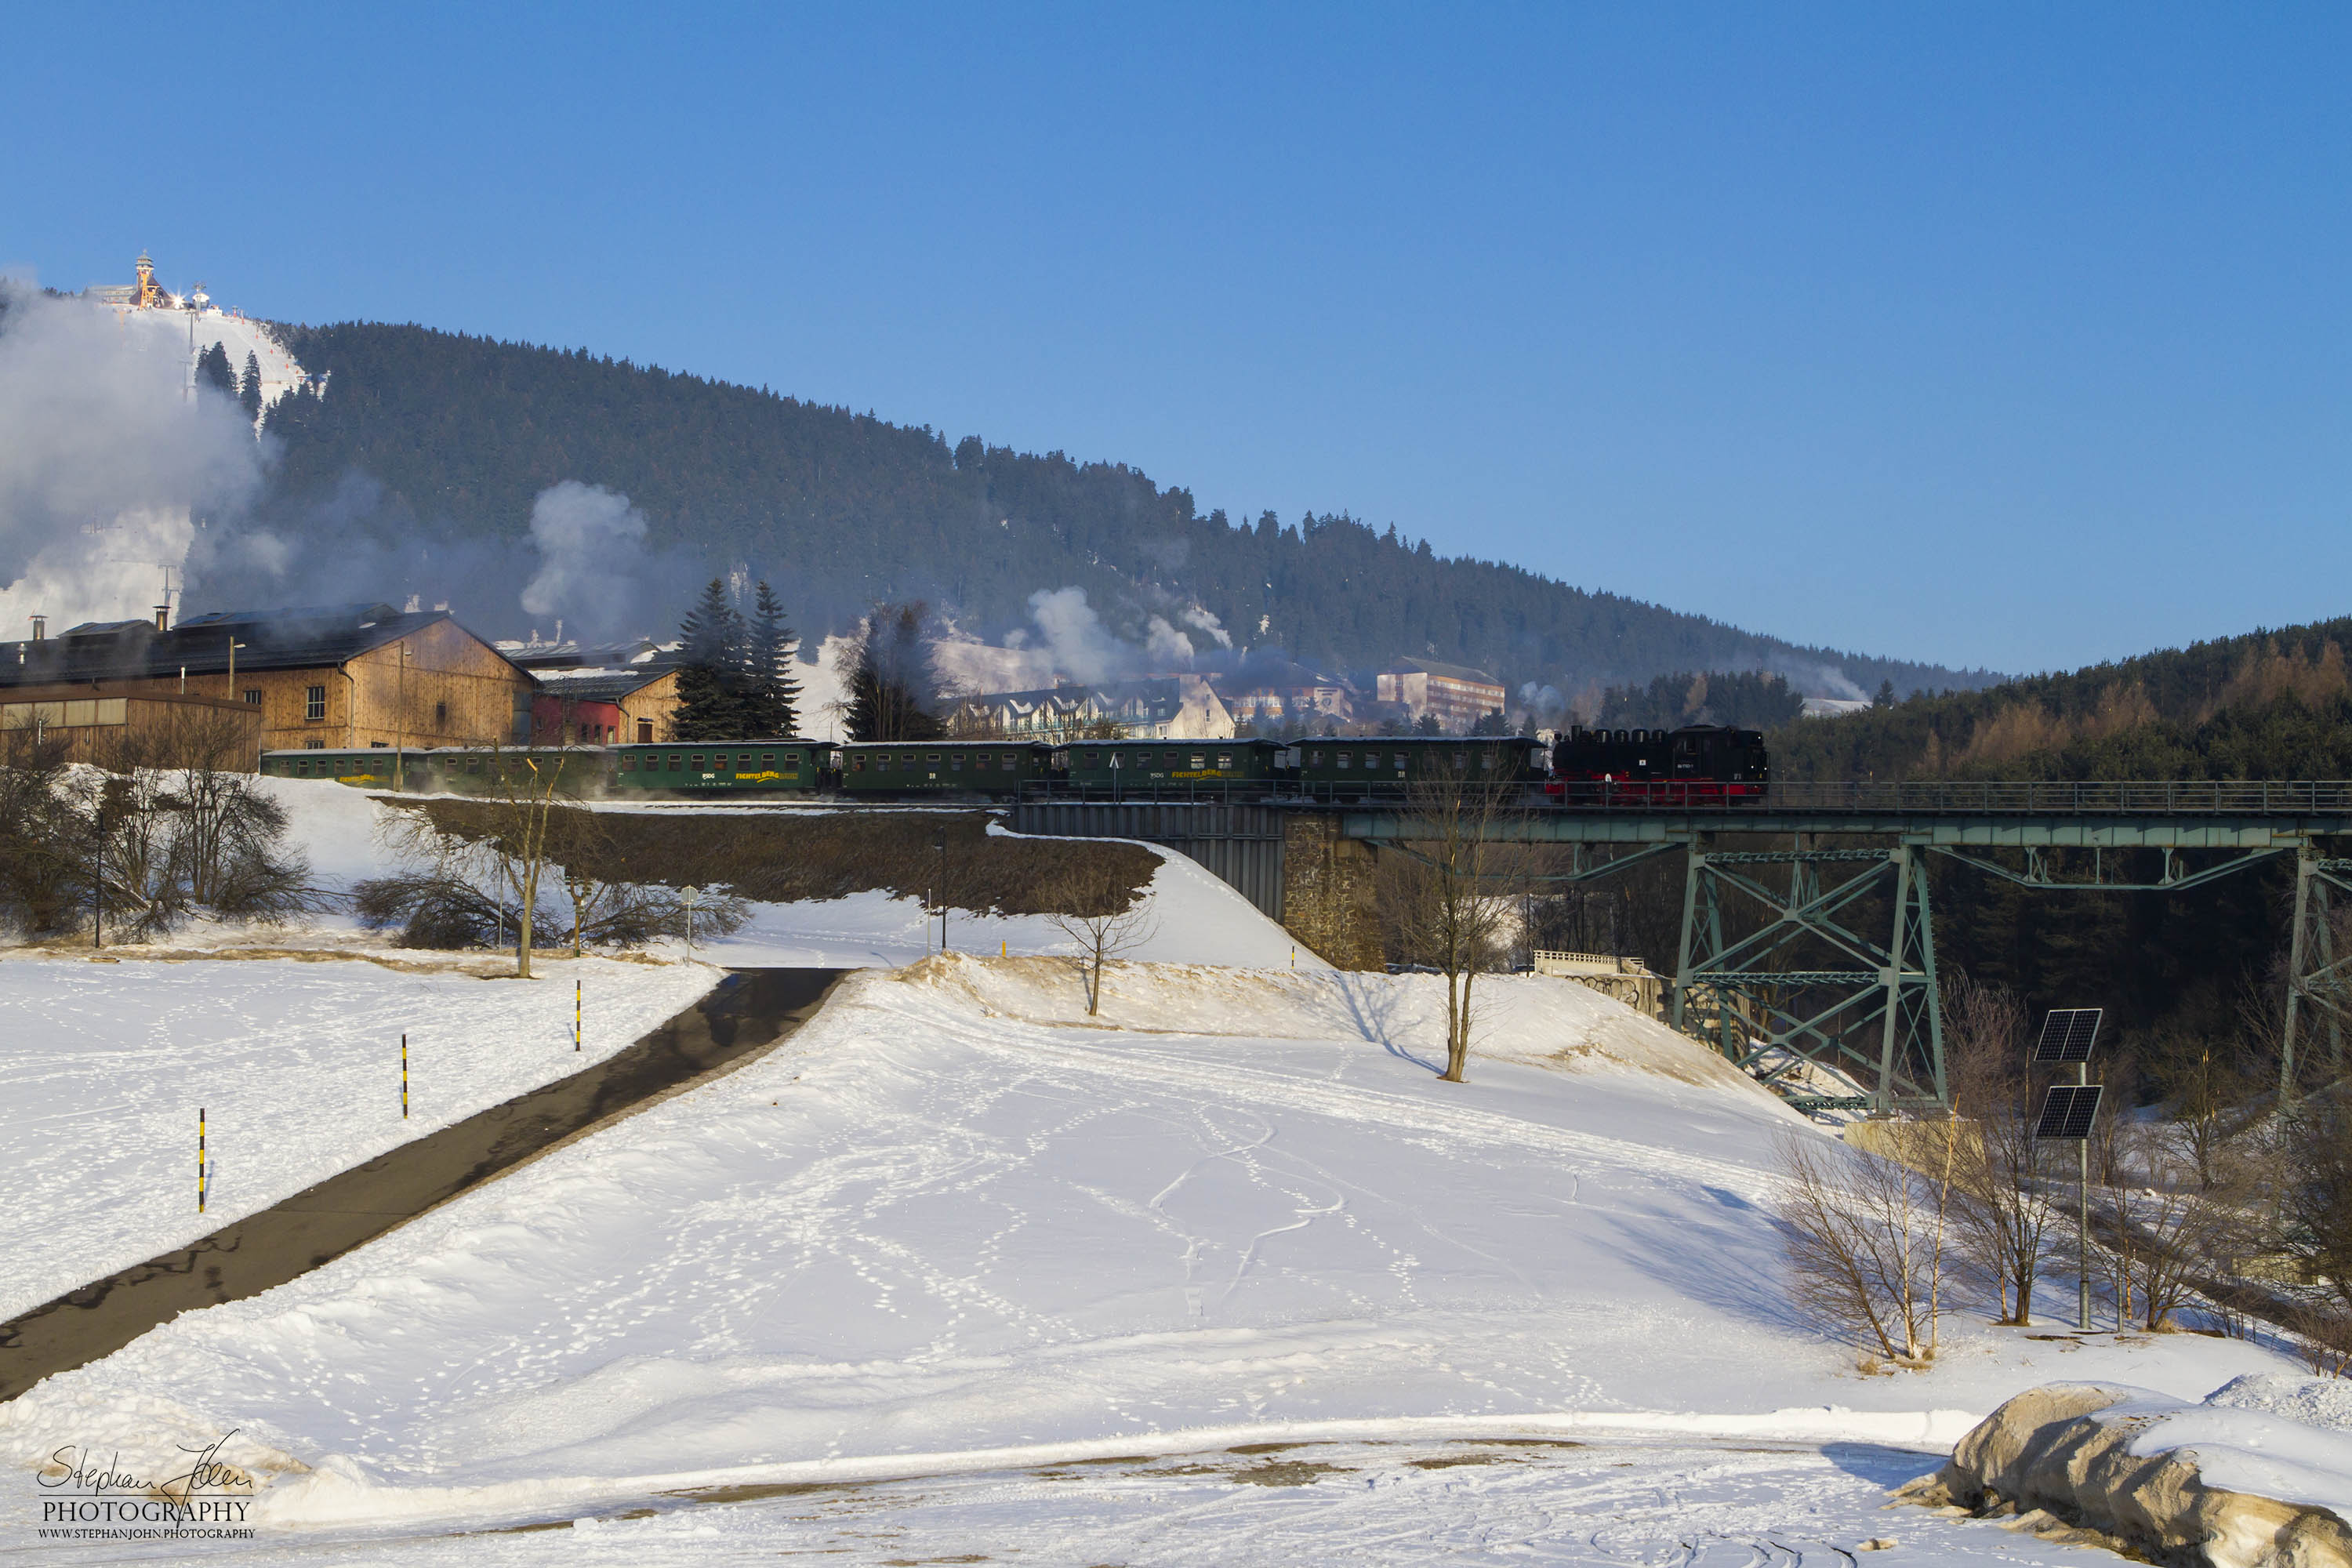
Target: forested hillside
column 842, row 510
column 2268, row 705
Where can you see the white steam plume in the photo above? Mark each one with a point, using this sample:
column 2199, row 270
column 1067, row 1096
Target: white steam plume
column 592, row 546
column 105, row 459
column 1072, row 643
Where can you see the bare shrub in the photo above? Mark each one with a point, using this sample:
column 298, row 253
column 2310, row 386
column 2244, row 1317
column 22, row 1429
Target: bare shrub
column 1105, row 916
column 2001, row 1219
column 454, row 892
column 2177, row 1229
column 1863, row 1247
column 2322, row 1338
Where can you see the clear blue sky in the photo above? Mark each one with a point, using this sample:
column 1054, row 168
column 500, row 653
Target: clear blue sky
column 2005, row 336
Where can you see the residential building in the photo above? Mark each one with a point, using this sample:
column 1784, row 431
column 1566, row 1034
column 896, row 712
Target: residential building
column 1460, row 697
column 336, row 675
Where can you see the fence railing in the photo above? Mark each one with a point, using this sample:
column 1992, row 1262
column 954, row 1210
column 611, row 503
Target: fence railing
column 1975, row 797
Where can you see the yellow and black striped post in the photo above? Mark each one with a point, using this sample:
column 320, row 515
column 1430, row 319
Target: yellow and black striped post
column 403, row 1078
column 200, row 1158
column 575, row 1014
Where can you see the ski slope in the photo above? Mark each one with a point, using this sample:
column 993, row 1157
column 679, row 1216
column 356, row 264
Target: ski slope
column 954, row 1226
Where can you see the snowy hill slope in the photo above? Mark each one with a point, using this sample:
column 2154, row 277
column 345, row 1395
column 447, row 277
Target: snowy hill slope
column 952, row 1220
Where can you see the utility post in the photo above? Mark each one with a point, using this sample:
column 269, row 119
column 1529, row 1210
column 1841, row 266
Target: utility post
column 400, row 732
column 942, row 840
column 2068, row 1113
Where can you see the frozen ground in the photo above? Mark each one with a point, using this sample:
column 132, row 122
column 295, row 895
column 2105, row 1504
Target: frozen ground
column 1611, row 1504
column 954, row 1226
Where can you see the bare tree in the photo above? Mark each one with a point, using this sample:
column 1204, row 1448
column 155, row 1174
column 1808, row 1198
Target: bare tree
column 1864, row 1245
column 2003, row 1219
column 2204, row 1081
column 520, row 789
column 1458, row 912
column 2183, row 1226
column 1099, row 910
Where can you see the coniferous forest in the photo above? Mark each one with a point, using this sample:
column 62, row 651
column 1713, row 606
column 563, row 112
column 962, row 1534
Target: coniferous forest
column 454, row 435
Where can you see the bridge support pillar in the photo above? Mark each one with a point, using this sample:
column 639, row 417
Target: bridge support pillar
column 1329, row 901
column 1807, row 985
column 2319, row 981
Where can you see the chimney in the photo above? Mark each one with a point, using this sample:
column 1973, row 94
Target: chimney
column 163, row 617
column 40, row 628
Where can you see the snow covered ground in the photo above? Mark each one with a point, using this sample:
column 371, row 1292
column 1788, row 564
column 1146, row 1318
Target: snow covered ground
column 954, row 1227
column 296, row 1064
column 1607, row 1504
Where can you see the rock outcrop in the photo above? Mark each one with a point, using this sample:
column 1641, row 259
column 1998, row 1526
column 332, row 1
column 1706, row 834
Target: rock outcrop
column 2058, row 1460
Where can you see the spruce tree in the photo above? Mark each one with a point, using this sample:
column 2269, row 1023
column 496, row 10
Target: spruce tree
column 709, row 678
column 890, row 680
column 248, row 392
column 770, row 694
column 213, row 370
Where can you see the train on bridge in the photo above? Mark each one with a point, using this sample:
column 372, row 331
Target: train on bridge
column 1701, row 762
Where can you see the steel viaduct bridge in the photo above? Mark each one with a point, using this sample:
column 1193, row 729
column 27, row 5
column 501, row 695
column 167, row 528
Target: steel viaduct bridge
column 1807, row 983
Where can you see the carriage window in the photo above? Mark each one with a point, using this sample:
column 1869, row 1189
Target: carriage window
column 472, row 764
column 628, row 764
column 1094, row 759
column 1314, row 760
column 1012, row 763
column 1461, row 762
column 1225, row 759
column 1345, row 760
column 676, row 762
column 695, row 764
column 858, row 764
column 930, row 756
column 955, row 760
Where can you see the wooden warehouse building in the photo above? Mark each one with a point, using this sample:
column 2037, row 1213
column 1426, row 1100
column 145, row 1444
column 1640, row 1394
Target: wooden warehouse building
column 344, row 676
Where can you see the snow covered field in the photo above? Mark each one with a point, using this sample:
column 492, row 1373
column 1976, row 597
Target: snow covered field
column 296, row 1064
column 952, row 1226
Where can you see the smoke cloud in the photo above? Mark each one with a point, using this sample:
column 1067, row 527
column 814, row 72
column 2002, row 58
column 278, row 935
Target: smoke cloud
column 1073, row 642
column 110, row 461
column 592, row 546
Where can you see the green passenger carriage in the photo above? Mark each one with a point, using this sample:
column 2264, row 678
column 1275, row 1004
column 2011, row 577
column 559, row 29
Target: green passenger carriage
column 929, row 767
column 1117, row 768
column 762, row 766
column 1369, row 766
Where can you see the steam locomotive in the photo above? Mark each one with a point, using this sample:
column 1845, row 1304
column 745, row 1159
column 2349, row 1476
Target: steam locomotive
column 1710, row 762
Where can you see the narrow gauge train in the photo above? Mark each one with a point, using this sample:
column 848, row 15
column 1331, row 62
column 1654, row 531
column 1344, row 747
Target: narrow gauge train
column 1710, row 764
column 1700, row 763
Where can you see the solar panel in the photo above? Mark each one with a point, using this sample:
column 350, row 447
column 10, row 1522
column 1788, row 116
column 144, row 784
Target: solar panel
column 2067, row 1034
column 2068, row 1111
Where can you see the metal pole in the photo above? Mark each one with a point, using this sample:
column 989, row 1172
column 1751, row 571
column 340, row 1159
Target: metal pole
column 200, row 1158
column 575, row 1014
column 2083, row 1219
column 403, row 1078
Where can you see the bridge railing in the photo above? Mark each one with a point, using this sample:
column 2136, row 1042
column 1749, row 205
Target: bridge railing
column 1974, row 796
